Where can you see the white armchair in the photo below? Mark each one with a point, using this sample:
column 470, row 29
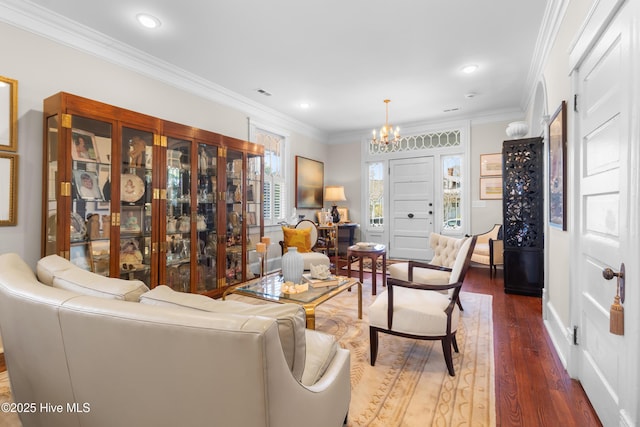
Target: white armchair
column 445, row 250
column 489, row 249
column 421, row 310
column 306, row 249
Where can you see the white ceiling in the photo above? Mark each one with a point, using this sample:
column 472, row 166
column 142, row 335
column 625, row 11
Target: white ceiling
column 343, row 57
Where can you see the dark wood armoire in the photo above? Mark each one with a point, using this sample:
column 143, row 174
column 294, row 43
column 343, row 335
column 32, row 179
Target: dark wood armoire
column 523, row 216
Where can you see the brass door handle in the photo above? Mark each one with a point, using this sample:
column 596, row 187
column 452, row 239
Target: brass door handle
column 609, row 274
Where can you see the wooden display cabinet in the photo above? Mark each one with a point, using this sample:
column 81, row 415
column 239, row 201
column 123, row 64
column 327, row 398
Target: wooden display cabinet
column 132, row 196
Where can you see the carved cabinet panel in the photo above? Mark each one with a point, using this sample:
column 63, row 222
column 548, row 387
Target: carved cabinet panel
column 523, row 216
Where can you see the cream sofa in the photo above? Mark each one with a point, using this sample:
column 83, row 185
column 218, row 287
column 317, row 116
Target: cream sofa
column 82, row 351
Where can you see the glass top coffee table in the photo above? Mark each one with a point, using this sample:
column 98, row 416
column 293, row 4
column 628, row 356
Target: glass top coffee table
column 269, row 289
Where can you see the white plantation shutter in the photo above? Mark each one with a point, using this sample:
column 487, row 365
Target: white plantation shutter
column 274, row 175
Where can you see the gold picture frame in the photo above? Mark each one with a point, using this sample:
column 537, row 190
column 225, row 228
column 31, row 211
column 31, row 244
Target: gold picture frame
column 491, row 164
column 8, row 189
column 491, row 188
column 9, row 114
column 558, row 168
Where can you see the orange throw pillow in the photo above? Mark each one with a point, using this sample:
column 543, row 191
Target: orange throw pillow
column 300, row 238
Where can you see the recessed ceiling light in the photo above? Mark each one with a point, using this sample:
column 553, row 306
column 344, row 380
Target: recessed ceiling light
column 304, row 105
column 148, row 21
column 468, row 69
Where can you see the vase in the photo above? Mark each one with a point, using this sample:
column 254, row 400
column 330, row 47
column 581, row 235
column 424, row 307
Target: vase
column 292, row 265
column 517, row 129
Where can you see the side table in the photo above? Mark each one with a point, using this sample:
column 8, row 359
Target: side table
column 359, row 252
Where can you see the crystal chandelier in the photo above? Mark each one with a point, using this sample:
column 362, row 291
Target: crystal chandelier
column 387, row 133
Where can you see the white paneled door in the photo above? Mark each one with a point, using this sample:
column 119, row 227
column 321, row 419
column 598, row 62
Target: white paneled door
column 606, row 229
column 412, row 207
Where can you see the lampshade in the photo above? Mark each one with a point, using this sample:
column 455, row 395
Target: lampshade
column 334, row 193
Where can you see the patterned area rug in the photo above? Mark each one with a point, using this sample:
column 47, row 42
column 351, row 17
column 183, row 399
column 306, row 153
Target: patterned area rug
column 410, row 386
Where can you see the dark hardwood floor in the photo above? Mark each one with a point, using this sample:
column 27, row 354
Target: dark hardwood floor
column 532, row 386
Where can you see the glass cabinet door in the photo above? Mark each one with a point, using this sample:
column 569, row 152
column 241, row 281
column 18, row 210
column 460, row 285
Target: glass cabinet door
column 234, row 212
column 89, row 183
column 178, row 215
column 136, row 196
column 207, row 219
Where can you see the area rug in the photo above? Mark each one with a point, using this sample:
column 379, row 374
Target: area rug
column 409, row 385
column 366, row 265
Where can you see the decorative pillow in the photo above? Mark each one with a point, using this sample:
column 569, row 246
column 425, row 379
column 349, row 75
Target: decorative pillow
column 321, row 348
column 88, row 283
column 290, row 317
column 298, row 237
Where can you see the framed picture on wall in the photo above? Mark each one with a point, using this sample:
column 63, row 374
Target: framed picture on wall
column 309, row 183
column 558, row 168
column 491, row 188
column 491, row 164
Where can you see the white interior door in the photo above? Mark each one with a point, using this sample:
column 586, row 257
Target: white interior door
column 412, row 207
column 607, row 213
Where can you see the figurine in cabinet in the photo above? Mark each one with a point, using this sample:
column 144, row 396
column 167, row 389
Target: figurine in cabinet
column 137, row 150
column 93, row 226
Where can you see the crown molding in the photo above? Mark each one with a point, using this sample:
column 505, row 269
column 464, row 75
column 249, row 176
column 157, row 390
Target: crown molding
column 40, row 21
column 552, row 20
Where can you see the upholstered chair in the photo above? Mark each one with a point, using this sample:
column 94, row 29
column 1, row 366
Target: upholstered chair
column 438, row 270
column 421, row 310
column 304, row 236
column 489, row 249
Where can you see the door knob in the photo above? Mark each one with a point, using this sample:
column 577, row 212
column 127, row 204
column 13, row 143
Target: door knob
column 609, row 274
column 410, row 215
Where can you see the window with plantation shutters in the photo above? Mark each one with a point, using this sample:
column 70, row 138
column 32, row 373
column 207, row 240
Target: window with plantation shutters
column 274, row 175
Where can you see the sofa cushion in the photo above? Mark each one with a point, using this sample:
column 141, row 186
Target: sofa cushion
column 88, row 283
column 49, row 266
column 290, row 317
column 321, row 348
column 298, row 237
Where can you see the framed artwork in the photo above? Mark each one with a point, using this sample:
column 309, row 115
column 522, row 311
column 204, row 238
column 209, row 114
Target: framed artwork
column 8, row 114
column 87, row 186
column 8, row 189
column 491, row 164
column 83, row 146
column 344, row 214
column 309, row 183
column 491, row 188
column 558, row 168
column 131, row 221
column 251, row 218
column 79, row 255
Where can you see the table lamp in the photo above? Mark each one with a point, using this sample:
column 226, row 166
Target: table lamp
column 334, row 193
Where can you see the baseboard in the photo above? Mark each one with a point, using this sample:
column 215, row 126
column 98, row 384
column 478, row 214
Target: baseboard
column 561, row 335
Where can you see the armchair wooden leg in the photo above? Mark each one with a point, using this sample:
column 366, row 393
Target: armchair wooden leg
column 448, row 358
column 460, row 304
column 454, row 341
column 373, row 345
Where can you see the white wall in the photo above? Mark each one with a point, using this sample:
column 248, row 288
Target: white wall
column 44, row 68
column 557, row 298
column 486, row 138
